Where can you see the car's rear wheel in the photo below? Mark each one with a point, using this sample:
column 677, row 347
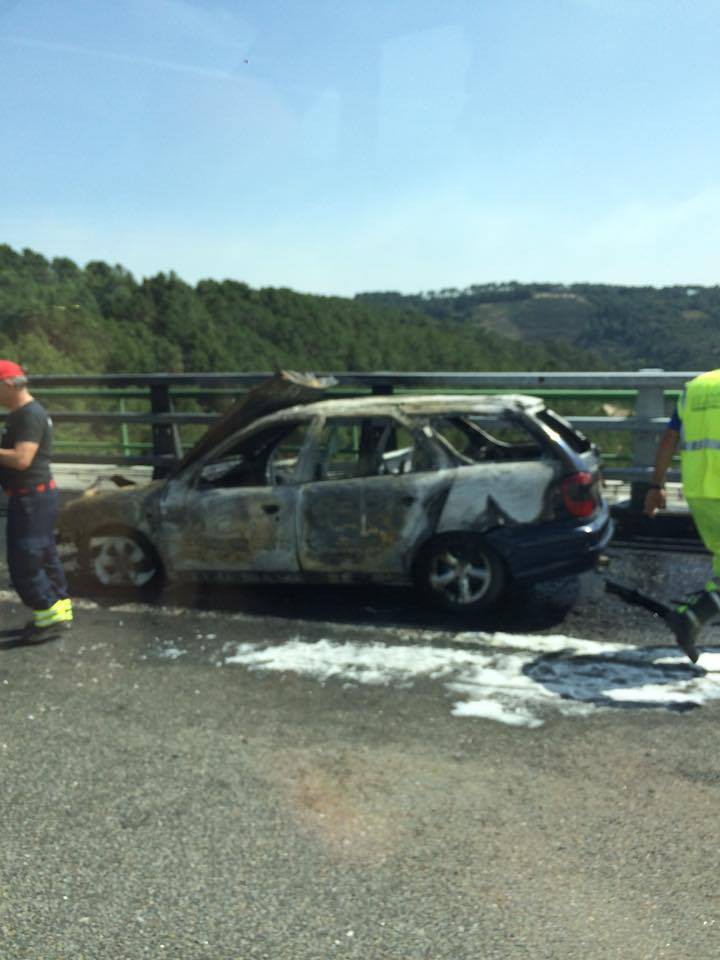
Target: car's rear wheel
column 460, row 573
column 120, row 558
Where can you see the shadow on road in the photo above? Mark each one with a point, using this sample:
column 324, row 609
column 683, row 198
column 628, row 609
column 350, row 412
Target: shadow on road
column 525, row 608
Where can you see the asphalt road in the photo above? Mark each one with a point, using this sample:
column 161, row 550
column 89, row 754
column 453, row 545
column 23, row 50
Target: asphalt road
column 161, row 801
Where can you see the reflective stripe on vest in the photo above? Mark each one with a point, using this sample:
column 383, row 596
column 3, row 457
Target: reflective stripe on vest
column 699, row 410
column 701, row 445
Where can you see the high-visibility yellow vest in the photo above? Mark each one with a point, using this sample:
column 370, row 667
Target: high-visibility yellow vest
column 699, row 410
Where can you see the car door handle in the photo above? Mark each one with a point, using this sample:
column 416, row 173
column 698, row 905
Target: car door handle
column 270, row 508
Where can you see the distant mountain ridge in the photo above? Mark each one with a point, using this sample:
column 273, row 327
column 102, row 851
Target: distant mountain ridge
column 676, row 328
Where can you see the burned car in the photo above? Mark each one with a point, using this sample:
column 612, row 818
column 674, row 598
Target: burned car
column 460, row 495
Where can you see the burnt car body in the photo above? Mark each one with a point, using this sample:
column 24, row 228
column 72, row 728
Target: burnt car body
column 461, row 495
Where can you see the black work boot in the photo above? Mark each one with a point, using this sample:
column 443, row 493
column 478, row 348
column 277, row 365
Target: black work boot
column 687, row 620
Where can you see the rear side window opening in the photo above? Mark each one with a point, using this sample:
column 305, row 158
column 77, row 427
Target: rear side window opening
column 576, row 440
column 474, row 440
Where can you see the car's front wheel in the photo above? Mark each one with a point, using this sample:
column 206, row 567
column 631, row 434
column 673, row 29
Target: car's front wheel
column 460, row 573
column 122, row 559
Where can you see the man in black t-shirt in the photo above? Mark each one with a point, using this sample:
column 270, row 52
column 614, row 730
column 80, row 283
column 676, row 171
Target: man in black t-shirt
column 25, row 475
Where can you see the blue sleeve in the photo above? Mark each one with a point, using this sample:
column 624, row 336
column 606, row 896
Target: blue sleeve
column 674, row 421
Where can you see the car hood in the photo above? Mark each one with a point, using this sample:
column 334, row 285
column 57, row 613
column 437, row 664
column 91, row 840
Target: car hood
column 285, row 389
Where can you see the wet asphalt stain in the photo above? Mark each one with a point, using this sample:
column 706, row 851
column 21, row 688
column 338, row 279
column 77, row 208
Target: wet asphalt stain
column 588, row 679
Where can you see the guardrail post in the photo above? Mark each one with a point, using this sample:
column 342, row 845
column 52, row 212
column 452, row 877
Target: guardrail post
column 166, row 437
column 650, row 403
column 124, row 432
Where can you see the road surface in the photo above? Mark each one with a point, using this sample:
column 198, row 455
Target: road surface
column 311, row 774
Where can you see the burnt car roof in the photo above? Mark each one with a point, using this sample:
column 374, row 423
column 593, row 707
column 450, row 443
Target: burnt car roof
column 425, row 404
column 292, row 393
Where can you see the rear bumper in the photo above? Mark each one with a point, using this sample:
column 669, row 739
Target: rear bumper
column 554, row 549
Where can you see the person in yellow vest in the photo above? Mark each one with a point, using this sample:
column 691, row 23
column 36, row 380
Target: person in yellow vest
column 695, row 426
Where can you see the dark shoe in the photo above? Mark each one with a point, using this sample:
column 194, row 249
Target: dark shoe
column 686, row 628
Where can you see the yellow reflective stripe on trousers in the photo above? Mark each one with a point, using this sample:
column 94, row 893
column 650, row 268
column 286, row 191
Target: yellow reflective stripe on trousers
column 59, row 612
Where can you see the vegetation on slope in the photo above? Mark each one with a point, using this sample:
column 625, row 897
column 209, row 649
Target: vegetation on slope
column 675, row 328
column 56, row 317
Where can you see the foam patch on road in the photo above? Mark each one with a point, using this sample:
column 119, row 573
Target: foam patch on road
column 516, row 679
column 519, row 680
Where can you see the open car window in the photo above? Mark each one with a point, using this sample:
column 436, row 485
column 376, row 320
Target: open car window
column 266, row 458
column 476, row 440
column 576, row 440
column 368, row 447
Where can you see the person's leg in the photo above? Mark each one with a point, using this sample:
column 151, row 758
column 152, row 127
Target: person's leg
column 31, row 545
column 688, row 619
column 51, row 561
column 706, row 516
column 24, row 556
column 61, row 610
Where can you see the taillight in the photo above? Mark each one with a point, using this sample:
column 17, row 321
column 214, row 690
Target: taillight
column 579, row 494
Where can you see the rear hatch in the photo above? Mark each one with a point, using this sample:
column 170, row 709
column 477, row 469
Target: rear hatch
column 525, row 445
column 579, row 489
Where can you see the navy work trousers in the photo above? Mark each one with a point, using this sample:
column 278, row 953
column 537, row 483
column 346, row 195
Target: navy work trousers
column 35, row 568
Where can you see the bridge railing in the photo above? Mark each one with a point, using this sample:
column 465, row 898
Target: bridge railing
column 636, row 406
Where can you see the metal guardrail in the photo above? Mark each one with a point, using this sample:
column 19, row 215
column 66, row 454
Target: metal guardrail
column 650, row 391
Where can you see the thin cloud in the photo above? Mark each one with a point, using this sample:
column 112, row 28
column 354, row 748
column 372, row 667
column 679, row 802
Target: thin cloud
column 233, row 74
column 128, row 58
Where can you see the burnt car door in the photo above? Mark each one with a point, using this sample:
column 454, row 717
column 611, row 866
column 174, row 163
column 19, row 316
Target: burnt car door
column 372, row 493
column 235, row 510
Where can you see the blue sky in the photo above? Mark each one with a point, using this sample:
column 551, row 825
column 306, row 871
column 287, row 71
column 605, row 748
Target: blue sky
column 338, row 147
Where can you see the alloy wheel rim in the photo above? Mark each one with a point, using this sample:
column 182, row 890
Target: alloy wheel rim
column 121, row 561
column 461, row 580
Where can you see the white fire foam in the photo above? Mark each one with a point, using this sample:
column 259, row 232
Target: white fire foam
column 512, row 679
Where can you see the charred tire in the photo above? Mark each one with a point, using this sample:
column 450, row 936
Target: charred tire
column 459, row 572
column 119, row 558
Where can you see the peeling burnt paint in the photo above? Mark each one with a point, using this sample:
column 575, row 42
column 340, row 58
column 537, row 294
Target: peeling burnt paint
column 370, row 526
column 128, row 507
column 226, row 532
column 478, row 492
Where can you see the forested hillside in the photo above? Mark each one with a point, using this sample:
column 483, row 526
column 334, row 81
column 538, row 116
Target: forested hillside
column 676, row 328
column 57, row 317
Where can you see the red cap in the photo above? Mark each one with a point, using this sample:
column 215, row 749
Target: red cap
column 9, row 369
